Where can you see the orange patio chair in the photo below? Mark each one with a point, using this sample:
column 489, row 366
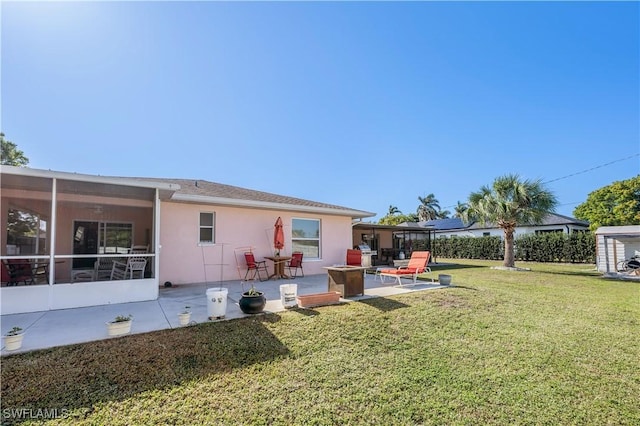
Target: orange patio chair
column 417, row 265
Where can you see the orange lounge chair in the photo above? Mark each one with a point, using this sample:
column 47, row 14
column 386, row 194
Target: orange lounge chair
column 417, row 265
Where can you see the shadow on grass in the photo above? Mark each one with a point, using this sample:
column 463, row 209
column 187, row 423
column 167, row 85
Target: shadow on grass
column 383, row 304
column 448, row 266
column 80, row 376
column 569, row 273
column 304, row 311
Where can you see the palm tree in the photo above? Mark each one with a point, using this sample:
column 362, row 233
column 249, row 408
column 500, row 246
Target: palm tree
column 443, row 214
column 428, row 208
column 460, row 209
column 393, row 210
column 510, row 202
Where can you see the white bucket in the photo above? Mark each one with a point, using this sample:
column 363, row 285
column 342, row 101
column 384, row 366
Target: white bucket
column 288, row 295
column 217, row 302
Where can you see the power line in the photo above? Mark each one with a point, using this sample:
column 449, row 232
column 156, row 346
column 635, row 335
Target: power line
column 593, row 168
column 579, row 173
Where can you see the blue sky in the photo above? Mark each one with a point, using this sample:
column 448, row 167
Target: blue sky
column 360, row 104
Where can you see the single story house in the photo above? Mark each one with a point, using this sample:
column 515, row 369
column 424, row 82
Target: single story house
column 65, row 225
column 553, row 222
column 614, row 244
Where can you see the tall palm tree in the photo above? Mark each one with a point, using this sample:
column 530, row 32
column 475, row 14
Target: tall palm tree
column 509, row 202
column 443, row 214
column 428, row 208
column 459, row 209
column 393, row 210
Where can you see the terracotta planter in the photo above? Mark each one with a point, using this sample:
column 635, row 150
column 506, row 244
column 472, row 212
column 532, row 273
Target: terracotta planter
column 318, row 299
column 119, row 328
column 14, row 342
column 252, row 304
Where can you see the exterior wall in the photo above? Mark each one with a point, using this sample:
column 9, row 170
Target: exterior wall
column 182, row 259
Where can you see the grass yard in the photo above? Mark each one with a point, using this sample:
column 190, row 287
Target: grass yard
column 557, row 345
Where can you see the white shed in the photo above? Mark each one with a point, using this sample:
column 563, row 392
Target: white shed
column 615, row 244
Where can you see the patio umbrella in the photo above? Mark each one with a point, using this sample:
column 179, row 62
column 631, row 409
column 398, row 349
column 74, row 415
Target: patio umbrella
column 278, row 235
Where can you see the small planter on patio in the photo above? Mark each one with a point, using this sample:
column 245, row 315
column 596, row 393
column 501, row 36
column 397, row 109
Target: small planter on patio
column 119, row 326
column 252, row 301
column 185, row 316
column 13, row 339
column 318, row 299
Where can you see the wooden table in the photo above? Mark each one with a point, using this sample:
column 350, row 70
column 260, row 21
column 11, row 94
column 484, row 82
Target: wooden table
column 347, row 280
column 278, row 266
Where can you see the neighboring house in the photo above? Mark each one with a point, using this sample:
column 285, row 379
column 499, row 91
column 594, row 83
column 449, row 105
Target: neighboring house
column 196, row 231
column 553, row 222
column 615, row 244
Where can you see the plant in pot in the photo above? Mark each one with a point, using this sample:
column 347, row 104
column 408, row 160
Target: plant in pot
column 13, row 339
column 120, row 325
column 252, row 301
column 185, row 316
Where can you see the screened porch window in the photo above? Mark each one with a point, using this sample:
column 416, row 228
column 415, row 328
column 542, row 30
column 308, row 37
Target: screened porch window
column 26, row 233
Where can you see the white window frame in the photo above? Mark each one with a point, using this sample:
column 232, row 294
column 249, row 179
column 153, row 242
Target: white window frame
column 318, row 239
column 212, row 227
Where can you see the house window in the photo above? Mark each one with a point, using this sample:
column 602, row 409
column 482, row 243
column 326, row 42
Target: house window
column 207, row 227
column 305, row 237
column 100, row 238
column 486, row 234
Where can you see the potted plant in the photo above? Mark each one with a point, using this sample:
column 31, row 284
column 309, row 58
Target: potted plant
column 185, row 316
column 252, row 301
column 13, row 339
column 120, row 325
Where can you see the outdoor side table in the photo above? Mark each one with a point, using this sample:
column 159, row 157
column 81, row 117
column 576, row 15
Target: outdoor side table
column 347, row 280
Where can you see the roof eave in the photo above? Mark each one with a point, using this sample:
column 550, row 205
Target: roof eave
column 234, row 202
column 50, row 174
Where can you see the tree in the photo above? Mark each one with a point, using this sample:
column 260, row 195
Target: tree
column 443, row 214
column 510, row 202
column 460, row 209
column 10, row 155
column 393, row 210
column 611, row 205
column 428, row 208
column 398, row 218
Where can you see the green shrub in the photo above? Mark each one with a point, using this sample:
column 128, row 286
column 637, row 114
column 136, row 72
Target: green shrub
column 578, row 247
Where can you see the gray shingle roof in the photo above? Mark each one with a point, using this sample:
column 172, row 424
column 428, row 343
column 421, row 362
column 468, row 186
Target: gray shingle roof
column 213, row 190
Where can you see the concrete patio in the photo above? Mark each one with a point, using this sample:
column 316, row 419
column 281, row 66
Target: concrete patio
column 48, row 329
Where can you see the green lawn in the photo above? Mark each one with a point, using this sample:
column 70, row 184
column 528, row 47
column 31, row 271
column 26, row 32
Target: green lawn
column 557, row 345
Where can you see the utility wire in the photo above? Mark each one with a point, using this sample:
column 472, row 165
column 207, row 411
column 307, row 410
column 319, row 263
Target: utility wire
column 593, row 168
column 579, row 173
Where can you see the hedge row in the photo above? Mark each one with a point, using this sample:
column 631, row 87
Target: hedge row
column 578, row 247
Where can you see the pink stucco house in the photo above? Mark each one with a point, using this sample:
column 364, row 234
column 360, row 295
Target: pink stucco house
column 65, row 226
